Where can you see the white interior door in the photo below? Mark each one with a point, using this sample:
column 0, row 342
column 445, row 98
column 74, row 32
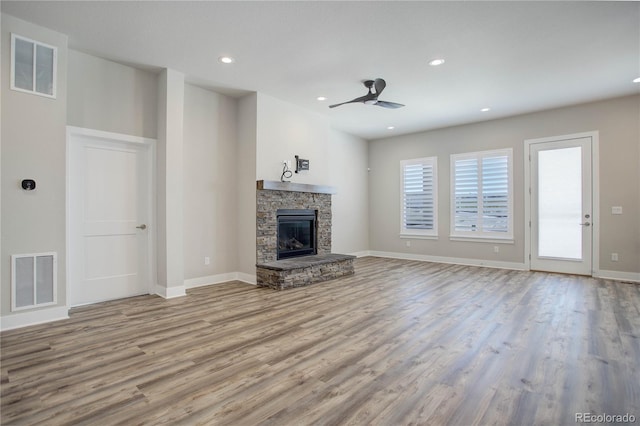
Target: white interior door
column 109, row 213
column 561, row 206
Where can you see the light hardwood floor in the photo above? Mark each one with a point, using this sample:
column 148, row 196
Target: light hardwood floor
column 399, row 343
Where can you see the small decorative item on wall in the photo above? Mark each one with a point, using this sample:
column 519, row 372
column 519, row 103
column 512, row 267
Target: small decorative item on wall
column 301, row 164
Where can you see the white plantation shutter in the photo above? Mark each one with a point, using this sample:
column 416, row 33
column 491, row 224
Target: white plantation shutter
column 466, row 194
column 482, row 194
column 495, row 194
column 418, row 188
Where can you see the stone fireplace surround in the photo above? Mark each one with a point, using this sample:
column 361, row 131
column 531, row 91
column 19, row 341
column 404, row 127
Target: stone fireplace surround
column 295, row 272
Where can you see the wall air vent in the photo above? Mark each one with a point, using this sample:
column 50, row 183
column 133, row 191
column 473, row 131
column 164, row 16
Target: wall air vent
column 33, row 280
column 33, row 66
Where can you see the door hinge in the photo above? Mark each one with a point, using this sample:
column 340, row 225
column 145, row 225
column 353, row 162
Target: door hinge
column 529, row 256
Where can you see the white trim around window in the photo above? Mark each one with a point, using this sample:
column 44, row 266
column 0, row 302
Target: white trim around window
column 419, row 198
column 482, row 196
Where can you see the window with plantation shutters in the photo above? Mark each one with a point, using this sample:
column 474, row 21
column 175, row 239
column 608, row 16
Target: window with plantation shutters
column 481, row 194
column 419, row 199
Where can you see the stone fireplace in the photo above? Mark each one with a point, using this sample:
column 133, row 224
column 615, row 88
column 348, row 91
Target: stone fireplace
column 272, row 196
column 293, row 236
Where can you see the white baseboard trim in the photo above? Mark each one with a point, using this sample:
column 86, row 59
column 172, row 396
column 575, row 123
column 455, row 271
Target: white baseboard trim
column 363, row 253
column 24, row 319
column 171, row 292
column 219, row 278
column 633, row 277
column 246, row 278
column 452, row 260
column 210, row 280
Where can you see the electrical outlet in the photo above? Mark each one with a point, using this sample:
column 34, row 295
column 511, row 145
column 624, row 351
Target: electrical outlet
column 408, row 243
column 207, row 260
column 614, row 257
column 616, row 210
column 496, row 249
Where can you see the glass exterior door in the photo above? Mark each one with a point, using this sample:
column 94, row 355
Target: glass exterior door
column 561, row 218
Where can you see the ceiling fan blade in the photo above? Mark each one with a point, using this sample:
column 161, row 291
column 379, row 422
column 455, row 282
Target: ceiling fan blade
column 386, row 104
column 360, row 99
column 379, row 84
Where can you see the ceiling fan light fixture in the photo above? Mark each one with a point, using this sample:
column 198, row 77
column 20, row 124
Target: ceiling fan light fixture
column 436, row 62
column 636, row 80
column 226, row 59
column 371, row 98
column 321, row 98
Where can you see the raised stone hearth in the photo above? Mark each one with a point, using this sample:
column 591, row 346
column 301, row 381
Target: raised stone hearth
column 302, row 271
column 272, row 196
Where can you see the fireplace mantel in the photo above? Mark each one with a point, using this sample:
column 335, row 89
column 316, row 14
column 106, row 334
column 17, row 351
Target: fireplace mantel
column 294, row 187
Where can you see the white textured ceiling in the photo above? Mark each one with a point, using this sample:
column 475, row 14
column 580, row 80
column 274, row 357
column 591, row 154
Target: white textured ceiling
column 514, row 57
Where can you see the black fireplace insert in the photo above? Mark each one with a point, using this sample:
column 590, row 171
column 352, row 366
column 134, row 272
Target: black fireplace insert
column 296, row 232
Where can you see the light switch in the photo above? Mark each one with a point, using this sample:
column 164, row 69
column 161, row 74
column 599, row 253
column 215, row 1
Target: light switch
column 616, row 210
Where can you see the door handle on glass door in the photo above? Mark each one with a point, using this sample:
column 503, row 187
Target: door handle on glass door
column 143, row 226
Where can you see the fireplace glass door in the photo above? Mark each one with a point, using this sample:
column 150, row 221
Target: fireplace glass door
column 296, row 233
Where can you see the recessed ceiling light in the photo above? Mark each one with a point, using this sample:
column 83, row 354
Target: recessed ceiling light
column 226, row 59
column 485, row 109
column 636, row 80
column 321, row 98
column 436, row 62
column 390, row 127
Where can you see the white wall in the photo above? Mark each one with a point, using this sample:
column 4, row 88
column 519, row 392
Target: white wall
column 617, row 121
column 284, row 131
column 336, row 159
column 105, row 95
column 348, row 172
column 209, row 183
column 170, row 184
column 246, row 186
column 33, row 146
column 270, row 131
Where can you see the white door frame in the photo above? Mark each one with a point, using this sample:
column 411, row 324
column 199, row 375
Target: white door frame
column 595, row 195
column 76, row 135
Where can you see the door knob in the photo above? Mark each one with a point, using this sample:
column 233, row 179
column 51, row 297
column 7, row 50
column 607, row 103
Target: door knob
column 143, row 226
column 585, row 224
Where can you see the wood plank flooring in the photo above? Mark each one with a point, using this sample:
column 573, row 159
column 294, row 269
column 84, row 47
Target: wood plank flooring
column 399, row 343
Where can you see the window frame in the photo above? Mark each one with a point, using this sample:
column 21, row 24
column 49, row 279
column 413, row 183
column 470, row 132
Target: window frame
column 479, row 234
column 54, row 71
column 420, row 233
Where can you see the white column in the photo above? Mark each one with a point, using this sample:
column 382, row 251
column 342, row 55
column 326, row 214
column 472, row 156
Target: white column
column 170, row 184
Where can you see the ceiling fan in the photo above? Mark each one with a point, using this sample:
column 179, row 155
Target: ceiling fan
column 372, row 98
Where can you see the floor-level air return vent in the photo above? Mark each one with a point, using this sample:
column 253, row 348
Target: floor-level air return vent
column 33, row 280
